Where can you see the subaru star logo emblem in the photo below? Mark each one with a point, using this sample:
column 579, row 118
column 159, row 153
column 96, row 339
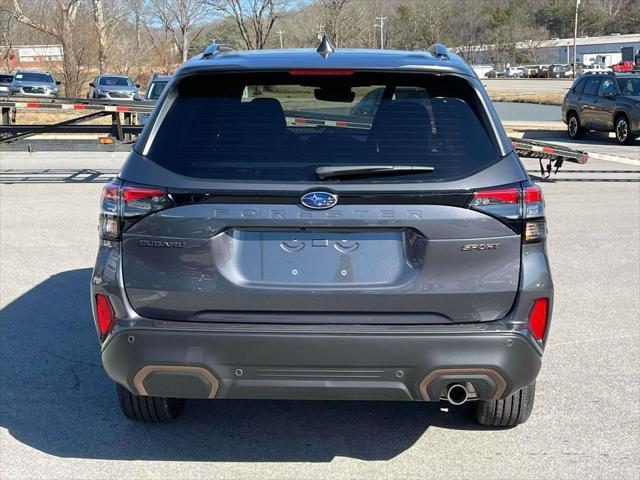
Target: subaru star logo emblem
column 319, row 200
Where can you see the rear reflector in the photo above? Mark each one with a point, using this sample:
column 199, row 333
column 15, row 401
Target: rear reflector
column 538, row 318
column 106, row 317
column 320, row 71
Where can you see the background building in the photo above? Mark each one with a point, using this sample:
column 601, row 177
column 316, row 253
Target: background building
column 613, row 48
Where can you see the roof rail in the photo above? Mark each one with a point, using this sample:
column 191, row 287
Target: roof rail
column 438, row 50
column 216, row 48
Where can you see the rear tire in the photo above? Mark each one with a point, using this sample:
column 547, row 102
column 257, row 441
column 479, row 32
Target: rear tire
column 574, row 130
column 507, row 412
column 623, row 135
column 149, row 409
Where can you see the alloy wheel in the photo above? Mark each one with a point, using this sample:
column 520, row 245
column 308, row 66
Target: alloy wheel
column 573, row 126
column 622, row 131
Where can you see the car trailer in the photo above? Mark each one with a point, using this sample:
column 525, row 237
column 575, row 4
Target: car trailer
column 121, row 128
column 550, row 156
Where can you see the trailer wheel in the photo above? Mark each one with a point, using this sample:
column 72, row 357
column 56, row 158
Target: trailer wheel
column 574, row 130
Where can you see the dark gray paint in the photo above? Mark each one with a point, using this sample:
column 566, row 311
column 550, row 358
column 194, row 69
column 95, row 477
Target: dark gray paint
column 413, row 301
column 383, row 258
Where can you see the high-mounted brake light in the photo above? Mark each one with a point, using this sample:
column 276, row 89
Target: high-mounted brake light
column 321, row 71
column 538, row 318
column 106, row 317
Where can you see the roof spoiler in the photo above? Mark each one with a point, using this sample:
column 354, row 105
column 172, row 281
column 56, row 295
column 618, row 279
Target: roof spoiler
column 438, row 50
column 215, row 48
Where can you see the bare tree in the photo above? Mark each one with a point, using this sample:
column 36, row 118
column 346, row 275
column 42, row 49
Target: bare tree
column 254, row 18
column 101, row 30
column 182, row 20
column 6, row 34
column 62, row 26
column 334, row 16
column 611, row 8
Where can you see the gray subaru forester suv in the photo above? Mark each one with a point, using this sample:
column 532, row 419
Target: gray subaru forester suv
column 262, row 242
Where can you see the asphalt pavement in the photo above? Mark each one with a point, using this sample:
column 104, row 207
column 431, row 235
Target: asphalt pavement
column 58, row 412
column 528, row 85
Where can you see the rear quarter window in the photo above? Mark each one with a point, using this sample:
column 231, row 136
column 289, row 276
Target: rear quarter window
column 281, row 127
column 579, row 87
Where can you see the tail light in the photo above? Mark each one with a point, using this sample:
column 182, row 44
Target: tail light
column 538, row 318
column 123, row 205
column 106, row 317
column 109, row 224
column 535, row 225
column 520, row 207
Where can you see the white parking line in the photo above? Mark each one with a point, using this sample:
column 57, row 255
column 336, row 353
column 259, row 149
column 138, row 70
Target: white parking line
column 614, row 158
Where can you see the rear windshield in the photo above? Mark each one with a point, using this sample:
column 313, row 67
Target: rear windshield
column 6, row 78
column 115, row 82
column 282, row 126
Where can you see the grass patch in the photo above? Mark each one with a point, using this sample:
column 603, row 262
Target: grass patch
column 547, row 98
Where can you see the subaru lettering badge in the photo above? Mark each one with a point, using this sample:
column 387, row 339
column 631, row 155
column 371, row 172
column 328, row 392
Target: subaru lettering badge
column 319, row 200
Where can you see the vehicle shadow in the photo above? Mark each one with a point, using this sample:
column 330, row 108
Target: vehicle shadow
column 56, row 398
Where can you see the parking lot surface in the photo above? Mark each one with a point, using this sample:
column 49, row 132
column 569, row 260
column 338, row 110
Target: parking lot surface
column 529, row 85
column 58, row 412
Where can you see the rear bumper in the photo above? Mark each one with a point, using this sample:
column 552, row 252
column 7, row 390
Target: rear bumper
column 318, row 362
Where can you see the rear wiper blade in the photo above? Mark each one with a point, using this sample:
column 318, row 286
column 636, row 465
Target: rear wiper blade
column 368, row 170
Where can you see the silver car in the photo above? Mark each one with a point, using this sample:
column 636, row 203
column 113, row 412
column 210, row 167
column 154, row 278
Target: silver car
column 33, row 83
column 5, row 84
column 113, row 87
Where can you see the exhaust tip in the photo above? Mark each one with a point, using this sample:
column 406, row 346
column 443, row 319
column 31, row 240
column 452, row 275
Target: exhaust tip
column 457, row 394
